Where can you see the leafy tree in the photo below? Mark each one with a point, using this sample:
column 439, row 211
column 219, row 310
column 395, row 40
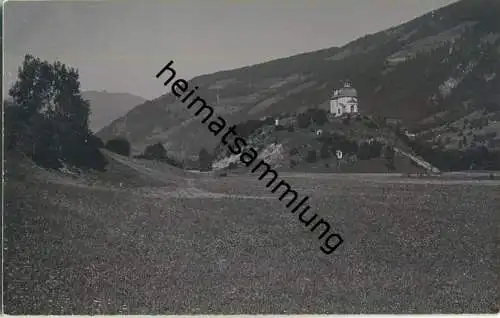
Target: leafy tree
column 364, row 151
column 303, row 120
column 156, row 151
column 318, row 116
column 368, row 123
column 119, row 145
column 369, row 150
column 245, row 129
column 376, row 149
column 311, row 156
column 205, row 160
column 390, row 155
column 346, row 121
column 50, row 117
column 325, row 151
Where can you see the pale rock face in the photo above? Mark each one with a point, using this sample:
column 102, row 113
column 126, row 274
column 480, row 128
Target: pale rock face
column 489, row 77
column 271, row 154
column 225, row 162
column 452, row 82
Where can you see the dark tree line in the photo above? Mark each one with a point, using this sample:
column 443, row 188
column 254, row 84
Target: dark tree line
column 364, row 151
column 312, row 116
column 48, row 118
column 248, row 127
column 156, row 152
column 477, row 158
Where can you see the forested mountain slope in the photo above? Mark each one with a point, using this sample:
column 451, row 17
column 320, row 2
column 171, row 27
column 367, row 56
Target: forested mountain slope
column 429, row 73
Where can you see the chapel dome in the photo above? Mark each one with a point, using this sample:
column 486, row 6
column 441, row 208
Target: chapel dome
column 346, row 91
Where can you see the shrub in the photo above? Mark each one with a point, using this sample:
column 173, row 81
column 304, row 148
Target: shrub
column 205, row 160
column 245, row 129
column 156, row 152
column 389, row 155
column 119, row 145
column 318, row 116
column 325, row 152
column 303, row 120
column 369, row 150
column 311, row 156
column 368, row 123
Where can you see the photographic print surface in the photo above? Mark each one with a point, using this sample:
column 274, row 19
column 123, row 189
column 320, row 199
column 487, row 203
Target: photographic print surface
column 257, row 157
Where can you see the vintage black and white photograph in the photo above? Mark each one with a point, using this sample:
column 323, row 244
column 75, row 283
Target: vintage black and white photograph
column 284, row 157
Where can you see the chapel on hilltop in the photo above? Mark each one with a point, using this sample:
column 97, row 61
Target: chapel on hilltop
column 344, row 100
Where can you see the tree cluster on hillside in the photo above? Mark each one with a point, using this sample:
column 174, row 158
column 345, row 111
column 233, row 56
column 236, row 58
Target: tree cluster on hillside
column 334, row 142
column 155, row 151
column 318, row 116
column 325, row 152
column 390, row 156
column 472, row 158
column 303, row 120
column 370, row 150
column 455, row 159
column 48, row 118
column 158, row 152
column 248, row 127
column 312, row 116
column 339, row 142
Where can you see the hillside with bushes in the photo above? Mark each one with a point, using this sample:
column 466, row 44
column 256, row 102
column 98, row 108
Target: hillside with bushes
column 310, row 141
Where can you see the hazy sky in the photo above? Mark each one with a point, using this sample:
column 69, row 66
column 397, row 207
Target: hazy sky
column 119, row 45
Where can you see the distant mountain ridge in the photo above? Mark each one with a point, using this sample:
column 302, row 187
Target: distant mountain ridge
column 106, row 106
column 430, row 73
